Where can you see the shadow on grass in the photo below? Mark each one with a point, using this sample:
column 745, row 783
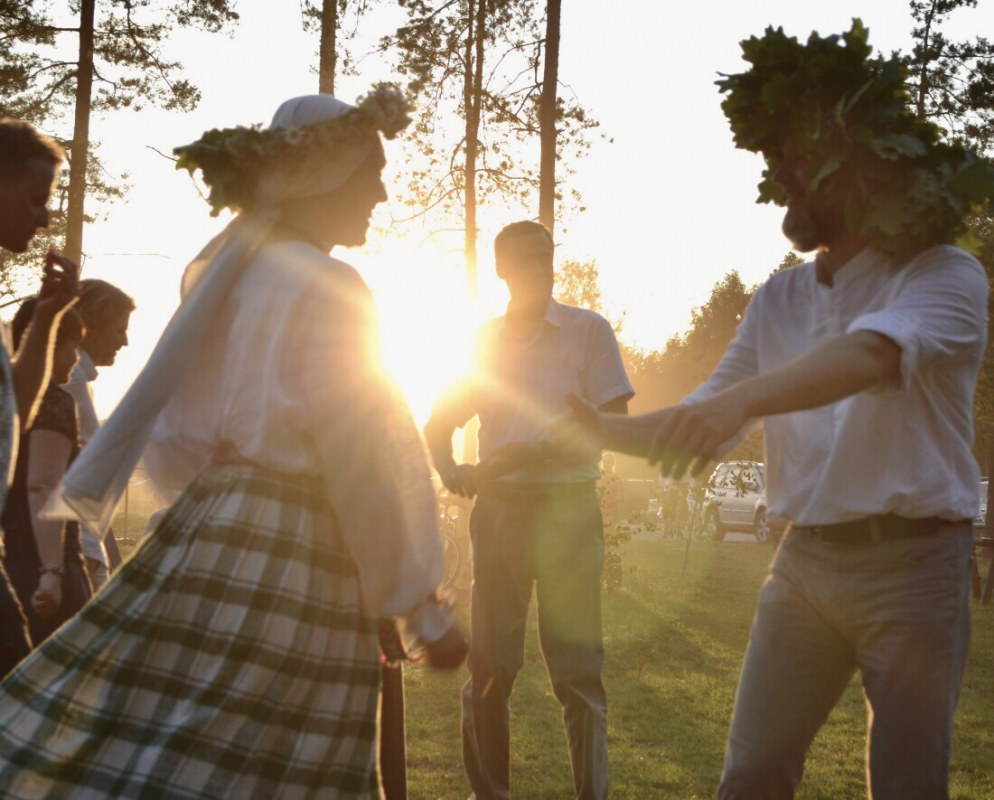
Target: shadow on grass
column 674, row 643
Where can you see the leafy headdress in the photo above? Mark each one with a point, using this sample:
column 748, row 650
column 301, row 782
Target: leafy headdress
column 311, row 146
column 898, row 184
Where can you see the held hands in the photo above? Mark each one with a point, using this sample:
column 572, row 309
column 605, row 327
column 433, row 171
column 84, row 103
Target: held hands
column 47, row 598
column 460, row 479
column 688, row 436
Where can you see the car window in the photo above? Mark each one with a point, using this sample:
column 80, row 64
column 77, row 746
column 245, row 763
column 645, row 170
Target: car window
column 727, row 479
column 751, row 475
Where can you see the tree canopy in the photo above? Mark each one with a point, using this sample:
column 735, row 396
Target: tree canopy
column 63, row 64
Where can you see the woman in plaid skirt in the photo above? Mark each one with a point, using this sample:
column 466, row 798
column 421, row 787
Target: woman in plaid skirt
column 235, row 654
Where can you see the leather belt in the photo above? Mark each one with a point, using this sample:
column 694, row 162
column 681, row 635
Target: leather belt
column 868, row 530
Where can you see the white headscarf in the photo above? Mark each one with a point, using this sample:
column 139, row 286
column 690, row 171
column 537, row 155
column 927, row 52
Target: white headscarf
column 93, row 486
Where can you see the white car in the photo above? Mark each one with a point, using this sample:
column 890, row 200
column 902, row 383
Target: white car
column 735, row 500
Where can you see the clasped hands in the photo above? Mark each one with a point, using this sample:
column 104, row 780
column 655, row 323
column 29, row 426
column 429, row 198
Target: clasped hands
column 47, row 598
column 59, row 284
column 681, row 439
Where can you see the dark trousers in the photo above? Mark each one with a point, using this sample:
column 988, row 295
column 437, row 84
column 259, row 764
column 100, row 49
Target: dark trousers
column 552, row 540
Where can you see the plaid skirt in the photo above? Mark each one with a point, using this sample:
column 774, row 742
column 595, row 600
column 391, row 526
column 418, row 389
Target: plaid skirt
column 229, row 657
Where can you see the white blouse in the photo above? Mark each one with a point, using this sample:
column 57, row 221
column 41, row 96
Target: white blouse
column 290, row 378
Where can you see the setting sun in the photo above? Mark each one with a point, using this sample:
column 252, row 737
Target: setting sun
column 429, row 323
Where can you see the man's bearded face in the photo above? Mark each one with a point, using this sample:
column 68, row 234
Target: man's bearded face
column 809, row 223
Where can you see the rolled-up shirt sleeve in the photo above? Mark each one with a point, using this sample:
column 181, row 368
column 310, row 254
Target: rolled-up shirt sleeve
column 938, row 312
column 372, row 458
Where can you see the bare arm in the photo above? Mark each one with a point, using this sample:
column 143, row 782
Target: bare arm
column 688, row 435
column 33, row 362
column 48, row 454
column 513, row 456
column 459, row 479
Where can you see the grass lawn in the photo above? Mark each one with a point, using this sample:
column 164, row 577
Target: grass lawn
column 674, row 648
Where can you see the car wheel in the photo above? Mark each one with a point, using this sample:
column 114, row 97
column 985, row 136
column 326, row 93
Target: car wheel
column 712, row 525
column 761, row 527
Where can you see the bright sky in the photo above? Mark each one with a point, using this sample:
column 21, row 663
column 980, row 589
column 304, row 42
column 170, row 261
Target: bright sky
column 670, row 204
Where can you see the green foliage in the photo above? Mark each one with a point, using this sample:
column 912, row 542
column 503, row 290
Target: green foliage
column 577, row 284
column 897, row 183
column 792, row 259
column 38, row 80
column 492, row 83
column 36, row 84
column 664, row 377
column 951, row 83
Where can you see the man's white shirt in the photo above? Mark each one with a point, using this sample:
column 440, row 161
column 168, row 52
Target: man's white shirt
column 903, row 449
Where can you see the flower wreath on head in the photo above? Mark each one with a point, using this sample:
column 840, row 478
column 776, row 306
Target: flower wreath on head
column 898, row 184
column 235, row 161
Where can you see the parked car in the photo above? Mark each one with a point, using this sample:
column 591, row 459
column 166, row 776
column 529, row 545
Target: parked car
column 734, row 499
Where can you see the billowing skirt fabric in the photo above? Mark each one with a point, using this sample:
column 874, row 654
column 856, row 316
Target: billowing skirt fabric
column 229, row 657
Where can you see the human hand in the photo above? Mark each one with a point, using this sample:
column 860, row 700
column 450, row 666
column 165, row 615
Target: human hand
column 688, row 436
column 449, row 652
column 47, row 598
column 460, row 479
column 59, row 284
column 577, row 435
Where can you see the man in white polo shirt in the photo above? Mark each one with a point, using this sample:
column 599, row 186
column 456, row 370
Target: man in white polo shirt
column 537, row 520
column 862, row 366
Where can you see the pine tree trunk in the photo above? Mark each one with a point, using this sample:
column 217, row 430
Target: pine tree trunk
column 547, row 117
column 923, row 75
column 473, row 98
column 329, row 53
column 81, row 134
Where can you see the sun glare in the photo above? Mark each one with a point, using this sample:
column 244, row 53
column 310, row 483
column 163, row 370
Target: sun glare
column 429, row 322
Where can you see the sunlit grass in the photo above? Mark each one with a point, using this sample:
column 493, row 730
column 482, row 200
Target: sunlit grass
column 674, row 646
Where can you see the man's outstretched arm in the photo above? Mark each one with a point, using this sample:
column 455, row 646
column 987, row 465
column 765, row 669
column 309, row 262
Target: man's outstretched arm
column 688, row 435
